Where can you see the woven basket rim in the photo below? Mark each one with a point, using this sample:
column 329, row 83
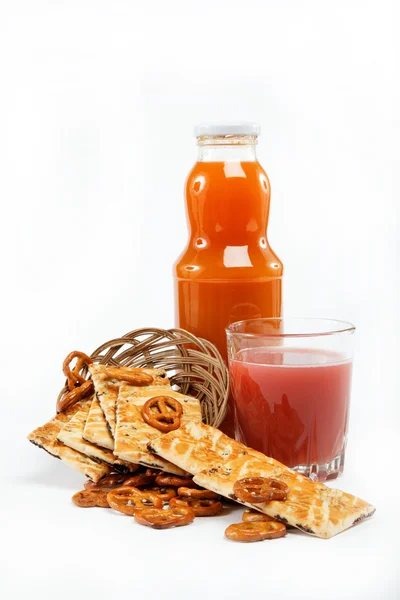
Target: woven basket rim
column 193, row 364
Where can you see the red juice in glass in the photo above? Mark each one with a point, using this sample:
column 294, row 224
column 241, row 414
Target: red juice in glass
column 293, row 404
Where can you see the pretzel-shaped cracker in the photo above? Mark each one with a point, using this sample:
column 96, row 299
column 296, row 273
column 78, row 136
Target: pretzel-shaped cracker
column 73, row 376
column 129, row 375
column 75, row 395
column 279, row 489
column 139, row 480
column 255, row 531
column 185, row 492
column 90, row 498
column 252, row 489
column 78, row 386
column 260, row 489
column 163, row 492
column 200, row 507
column 175, row 480
column 109, row 481
column 164, row 519
column 152, row 472
column 129, row 499
column 163, row 413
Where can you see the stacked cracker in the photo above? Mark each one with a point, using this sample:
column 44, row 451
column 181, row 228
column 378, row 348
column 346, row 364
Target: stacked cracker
column 106, row 432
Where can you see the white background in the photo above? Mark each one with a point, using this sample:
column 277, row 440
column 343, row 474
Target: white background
column 97, row 104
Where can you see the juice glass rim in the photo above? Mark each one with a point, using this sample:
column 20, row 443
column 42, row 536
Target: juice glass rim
column 337, row 327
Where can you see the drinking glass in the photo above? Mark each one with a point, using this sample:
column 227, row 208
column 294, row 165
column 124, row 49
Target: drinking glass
column 290, row 381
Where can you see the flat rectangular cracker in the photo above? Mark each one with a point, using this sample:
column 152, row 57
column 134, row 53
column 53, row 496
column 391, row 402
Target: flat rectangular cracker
column 96, row 429
column 132, row 433
column 107, row 388
column 72, row 435
column 217, row 462
column 195, row 447
column 46, row 437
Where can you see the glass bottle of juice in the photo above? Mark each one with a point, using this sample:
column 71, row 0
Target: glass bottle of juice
column 228, row 271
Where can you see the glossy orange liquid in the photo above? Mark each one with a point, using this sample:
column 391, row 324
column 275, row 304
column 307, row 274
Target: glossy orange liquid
column 228, row 272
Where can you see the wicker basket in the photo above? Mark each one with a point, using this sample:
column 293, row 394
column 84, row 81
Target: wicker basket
column 192, row 364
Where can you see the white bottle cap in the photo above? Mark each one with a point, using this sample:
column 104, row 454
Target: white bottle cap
column 227, row 128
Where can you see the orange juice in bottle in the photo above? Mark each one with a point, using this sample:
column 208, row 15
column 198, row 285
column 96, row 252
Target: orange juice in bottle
column 228, row 271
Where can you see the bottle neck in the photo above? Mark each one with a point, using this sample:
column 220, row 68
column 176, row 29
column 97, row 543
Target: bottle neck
column 225, row 148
